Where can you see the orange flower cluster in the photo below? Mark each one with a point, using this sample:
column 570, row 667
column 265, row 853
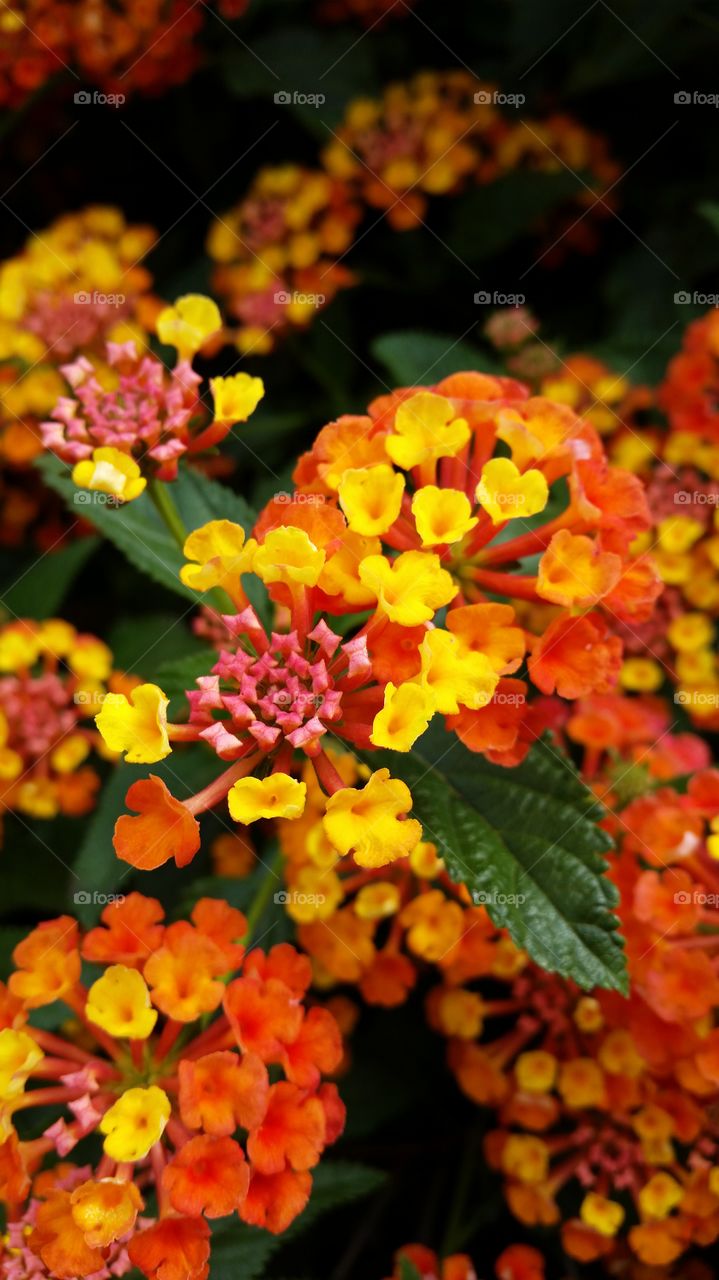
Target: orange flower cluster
column 678, row 462
column 279, row 250
column 228, row 1118
column 606, row 1107
column 397, row 515
column 126, row 46
column 52, row 679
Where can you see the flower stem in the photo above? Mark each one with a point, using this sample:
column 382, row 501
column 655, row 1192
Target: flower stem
column 167, row 508
column 262, row 897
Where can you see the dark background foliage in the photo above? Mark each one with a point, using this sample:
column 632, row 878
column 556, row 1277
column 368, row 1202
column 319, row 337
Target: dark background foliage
column 177, row 160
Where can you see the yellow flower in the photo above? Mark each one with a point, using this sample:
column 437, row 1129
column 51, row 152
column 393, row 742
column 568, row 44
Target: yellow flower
column 425, row 428
column 119, row 1002
column 289, row 555
column 371, row 498
column 277, row 796
column 454, row 675
column 442, row 515
column 690, row 631
column 18, row 1055
column 536, row 1071
column 188, row 324
column 410, row 588
column 678, row 534
column 221, row 556
column 110, row 471
column 367, row 821
column 19, row 647
column 378, row 900
column 408, row 709
column 137, row 726
column 134, row 1123
column 236, row 397
column 659, row 1196
column 70, row 753
column 526, row 1158
column 641, row 675
column 506, row 494
column 603, row 1215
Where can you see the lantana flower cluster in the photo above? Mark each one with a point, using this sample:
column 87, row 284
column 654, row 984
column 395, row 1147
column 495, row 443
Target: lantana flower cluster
column 52, row 680
column 395, row 519
column 125, row 46
column 281, row 250
column 148, row 417
column 192, row 1070
column 74, row 285
column 604, row 1106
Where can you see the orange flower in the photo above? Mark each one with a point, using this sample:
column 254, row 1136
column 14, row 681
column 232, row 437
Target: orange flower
column 132, row 930
column 172, row 1249
column 48, row 963
column 222, row 1091
column 208, row 1175
column 264, row 1015
column 163, row 829
column 576, row 656
column 274, row 1200
column 292, row 1133
column 183, row 973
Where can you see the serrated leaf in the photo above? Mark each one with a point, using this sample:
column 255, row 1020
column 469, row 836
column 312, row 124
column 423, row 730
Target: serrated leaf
column 242, row 1251
column 413, row 356
column 39, row 589
column 526, row 843
column 138, row 530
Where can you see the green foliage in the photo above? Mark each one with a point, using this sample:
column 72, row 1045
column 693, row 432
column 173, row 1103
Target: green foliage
column 526, row 843
column 40, row 588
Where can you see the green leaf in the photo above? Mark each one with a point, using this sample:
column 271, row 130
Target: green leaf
column 710, row 210
column 489, row 219
column 526, row 843
column 242, row 1251
column 152, row 642
column 414, row 357
column 139, row 531
column 407, row 1270
column 38, row 591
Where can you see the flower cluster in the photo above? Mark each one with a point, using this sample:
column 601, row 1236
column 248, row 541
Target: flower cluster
column 195, row 1071
column 73, row 286
column 52, row 679
column 276, row 252
column 148, row 417
column 125, row 46
column 279, row 251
